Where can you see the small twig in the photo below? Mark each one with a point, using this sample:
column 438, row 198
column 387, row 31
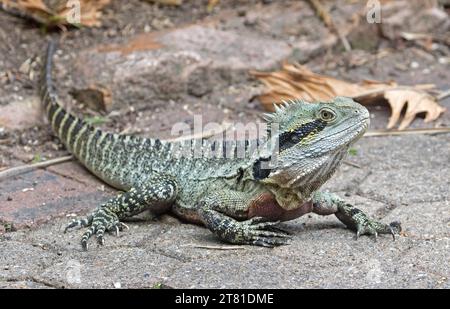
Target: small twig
column 352, row 164
column 443, row 95
column 14, row 11
column 407, row 132
column 344, row 40
column 215, row 247
column 14, row 171
column 409, row 36
column 328, row 21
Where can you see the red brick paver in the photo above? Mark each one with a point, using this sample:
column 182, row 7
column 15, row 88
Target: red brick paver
column 37, row 197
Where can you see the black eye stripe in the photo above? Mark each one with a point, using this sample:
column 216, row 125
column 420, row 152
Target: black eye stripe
column 289, row 139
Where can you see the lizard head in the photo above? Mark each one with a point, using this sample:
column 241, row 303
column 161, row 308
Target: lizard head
column 312, row 139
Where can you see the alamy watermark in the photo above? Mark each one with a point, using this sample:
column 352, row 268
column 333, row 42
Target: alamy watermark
column 73, row 15
column 374, row 271
column 240, row 141
column 373, row 12
column 73, row 272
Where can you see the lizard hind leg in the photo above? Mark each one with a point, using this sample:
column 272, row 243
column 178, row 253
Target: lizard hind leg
column 215, row 212
column 157, row 195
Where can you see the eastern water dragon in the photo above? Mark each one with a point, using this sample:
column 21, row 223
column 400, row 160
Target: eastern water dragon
column 241, row 199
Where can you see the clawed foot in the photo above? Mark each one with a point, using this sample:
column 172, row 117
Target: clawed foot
column 258, row 231
column 371, row 227
column 358, row 221
column 98, row 224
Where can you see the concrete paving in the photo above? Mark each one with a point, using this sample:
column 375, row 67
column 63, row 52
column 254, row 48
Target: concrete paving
column 410, row 184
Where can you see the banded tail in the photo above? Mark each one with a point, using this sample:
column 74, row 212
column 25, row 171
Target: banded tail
column 79, row 137
column 112, row 157
column 70, row 130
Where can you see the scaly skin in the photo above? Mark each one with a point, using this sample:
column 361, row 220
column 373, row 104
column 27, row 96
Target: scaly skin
column 239, row 198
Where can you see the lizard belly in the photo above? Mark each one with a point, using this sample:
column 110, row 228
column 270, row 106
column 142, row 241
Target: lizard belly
column 265, row 205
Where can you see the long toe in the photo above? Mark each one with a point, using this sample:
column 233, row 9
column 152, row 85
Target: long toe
column 270, row 242
column 256, row 220
column 84, row 244
column 264, row 225
column 75, row 224
column 279, row 230
column 123, row 226
column 71, row 225
column 270, row 234
column 99, row 234
column 79, row 223
column 100, row 240
column 86, row 236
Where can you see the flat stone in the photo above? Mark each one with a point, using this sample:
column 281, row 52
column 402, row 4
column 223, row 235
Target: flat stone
column 398, row 170
column 402, row 152
column 424, row 221
column 57, row 260
column 322, row 254
column 347, row 178
column 76, row 171
column 325, row 260
column 21, row 115
column 423, row 185
column 122, row 267
column 21, row 261
column 36, row 197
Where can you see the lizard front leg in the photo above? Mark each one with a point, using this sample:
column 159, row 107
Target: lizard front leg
column 325, row 203
column 157, row 195
column 216, row 210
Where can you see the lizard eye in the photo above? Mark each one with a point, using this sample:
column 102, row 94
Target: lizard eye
column 327, row 115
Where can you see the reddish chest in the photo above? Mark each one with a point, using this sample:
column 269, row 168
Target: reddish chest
column 265, row 205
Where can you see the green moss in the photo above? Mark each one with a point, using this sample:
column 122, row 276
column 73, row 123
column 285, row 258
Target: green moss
column 352, row 151
column 97, row 120
column 37, row 158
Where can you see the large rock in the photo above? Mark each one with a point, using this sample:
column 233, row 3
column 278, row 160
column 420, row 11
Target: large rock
column 168, row 65
column 209, row 59
column 20, row 115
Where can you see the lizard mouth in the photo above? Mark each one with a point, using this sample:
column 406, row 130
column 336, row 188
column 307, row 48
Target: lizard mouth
column 353, row 135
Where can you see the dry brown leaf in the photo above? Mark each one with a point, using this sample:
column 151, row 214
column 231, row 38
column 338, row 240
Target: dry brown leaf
column 294, row 81
column 417, row 102
column 90, row 11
